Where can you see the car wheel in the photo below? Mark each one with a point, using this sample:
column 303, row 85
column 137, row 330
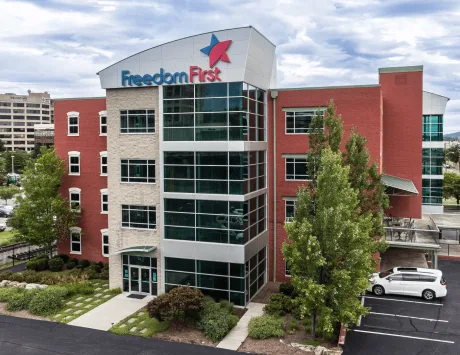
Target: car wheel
column 428, row 295
column 378, row 290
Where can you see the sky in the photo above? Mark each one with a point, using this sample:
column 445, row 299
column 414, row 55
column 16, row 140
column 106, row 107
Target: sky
column 59, row 45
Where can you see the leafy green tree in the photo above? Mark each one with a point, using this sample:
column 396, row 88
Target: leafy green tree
column 43, row 216
column 21, row 158
column 2, row 146
column 453, row 154
column 8, row 192
column 325, row 212
column 330, row 251
column 451, row 187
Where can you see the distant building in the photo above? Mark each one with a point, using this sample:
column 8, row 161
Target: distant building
column 18, row 116
column 43, row 135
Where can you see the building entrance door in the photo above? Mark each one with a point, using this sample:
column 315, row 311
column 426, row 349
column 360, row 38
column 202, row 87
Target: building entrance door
column 139, row 279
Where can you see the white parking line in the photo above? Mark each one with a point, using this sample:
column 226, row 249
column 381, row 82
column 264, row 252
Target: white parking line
column 392, row 299
column 401, row 316
column 403, row 336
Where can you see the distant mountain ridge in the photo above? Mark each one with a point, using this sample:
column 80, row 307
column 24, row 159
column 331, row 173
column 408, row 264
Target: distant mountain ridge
column 452, row 135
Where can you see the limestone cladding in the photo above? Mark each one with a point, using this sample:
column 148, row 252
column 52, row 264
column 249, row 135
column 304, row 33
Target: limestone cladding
column 132, row 146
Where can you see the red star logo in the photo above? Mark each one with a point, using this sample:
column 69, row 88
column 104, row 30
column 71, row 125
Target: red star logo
column 217, row 51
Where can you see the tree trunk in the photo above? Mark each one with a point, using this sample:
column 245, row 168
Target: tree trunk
column 458, row 200
column 313, row 324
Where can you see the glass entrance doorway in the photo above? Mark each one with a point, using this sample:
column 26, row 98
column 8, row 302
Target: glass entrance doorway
column 140, row 274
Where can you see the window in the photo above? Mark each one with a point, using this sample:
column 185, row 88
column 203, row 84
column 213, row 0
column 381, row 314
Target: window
column 432, row 191
column 296, row 168
column 298, row 121
column 33, row 105
column 137, row 121
column 74, row 163
column 103, row 163
column 105, row 242
column 290, row 205
column 75, row 240
column 137, row 170
column 432, row 128
column 142, row 217
column 75, row 198
column 104, row 201
column 287, row 269
column 103, row 123
column 72, row 118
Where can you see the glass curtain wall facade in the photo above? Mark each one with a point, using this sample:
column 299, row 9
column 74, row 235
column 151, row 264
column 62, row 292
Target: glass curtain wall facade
column 432, row 159
column 219, row 112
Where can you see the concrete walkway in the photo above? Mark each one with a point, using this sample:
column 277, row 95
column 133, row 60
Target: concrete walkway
column 237, row 335
column 110, row 313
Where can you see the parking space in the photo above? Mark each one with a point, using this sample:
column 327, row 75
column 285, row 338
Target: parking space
column 409, row 325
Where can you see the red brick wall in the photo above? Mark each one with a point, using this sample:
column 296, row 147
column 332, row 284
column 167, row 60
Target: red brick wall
column 89, row 144
column 402, row 138
column 359, row 106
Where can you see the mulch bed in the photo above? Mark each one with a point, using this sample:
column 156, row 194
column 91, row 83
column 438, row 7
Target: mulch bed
column 21, row 314
column 274, row 346
column 187, row 333
column 264, row 294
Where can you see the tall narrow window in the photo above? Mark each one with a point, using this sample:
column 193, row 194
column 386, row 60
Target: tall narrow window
column 104, row 201
column 72, row 119
column 74, row 163
column 75, row 240
column 105, row 242
column 290, row 205
column 103, row 163
column 103, row 123
column 75, row 198
column 296, row 168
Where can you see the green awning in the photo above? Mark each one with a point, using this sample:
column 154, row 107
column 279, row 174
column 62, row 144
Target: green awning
column 136, row 249
column 398, row 186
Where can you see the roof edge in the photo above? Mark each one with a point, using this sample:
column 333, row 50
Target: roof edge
column 328, row 87
column 179, row 39
column 407, row 69
column 80, row 98
column 432, row 93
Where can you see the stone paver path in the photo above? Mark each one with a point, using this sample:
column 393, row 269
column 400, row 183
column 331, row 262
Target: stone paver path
column 239, row 333
column 111, row 312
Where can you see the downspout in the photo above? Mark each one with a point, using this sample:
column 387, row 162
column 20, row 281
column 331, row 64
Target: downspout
column 274, row 95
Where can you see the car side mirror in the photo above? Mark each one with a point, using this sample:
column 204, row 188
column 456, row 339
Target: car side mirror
column 389, row 279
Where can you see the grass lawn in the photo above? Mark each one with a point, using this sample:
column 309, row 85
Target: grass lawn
column 80, row 304
column 6, row 238
column 140, row 324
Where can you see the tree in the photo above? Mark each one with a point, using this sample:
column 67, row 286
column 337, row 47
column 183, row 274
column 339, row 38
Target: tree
column 2, row 146
column 21, row 158
column 453, row 154
column 8, row 192
column 451, row 188
column 43, row 216
column 337, row 224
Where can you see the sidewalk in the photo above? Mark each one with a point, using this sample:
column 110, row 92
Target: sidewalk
column 110, row 313
column 237, row 335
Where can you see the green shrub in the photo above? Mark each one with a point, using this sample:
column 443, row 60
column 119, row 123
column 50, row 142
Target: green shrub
column 101, row 264
column 17, row 276
column 266, row 327
column 104, row 275
column 80, row 288
column 64, row 257
column 56, row 264
column 6, row 275
column 83, row 263
column 7, row 292
column 71, row 265
column 179, row 304
column 279, row 305
column 31, row 265
column 48, row 301
column 287, row 288
column 20, row 300
column 32, row 277
column 73, row 260
column 217, row 319
column 293, row 325
column 41, row 264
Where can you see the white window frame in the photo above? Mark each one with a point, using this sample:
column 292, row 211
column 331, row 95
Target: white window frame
column 294, row 156
column 102, row 114
column 286, row 218
column 314, row 110
column 104, row 155
column 75, row 190
column 74, row 155
column 105, row 232
column 285, row 269
column 73, row 114
column 104, row 192
column 72, row 231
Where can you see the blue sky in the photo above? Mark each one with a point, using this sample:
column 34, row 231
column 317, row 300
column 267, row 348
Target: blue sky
column 59, row 45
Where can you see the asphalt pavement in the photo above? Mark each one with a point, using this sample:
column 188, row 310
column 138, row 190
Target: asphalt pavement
column 19, row 336
column 398, row 325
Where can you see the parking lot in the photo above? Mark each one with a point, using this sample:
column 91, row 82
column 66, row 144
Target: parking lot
column 409, row 325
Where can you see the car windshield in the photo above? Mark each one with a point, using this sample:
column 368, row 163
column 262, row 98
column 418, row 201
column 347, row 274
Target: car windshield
column 385, row 273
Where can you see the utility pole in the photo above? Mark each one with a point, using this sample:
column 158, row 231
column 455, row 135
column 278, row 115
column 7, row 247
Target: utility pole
column 12, row 164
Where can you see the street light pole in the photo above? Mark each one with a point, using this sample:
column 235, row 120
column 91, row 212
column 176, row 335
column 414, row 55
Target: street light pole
column 12, row 164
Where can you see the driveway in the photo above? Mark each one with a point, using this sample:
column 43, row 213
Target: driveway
column 398, row 325
column 21, row 336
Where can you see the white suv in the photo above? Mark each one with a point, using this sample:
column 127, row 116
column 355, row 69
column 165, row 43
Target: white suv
column 409, row 281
